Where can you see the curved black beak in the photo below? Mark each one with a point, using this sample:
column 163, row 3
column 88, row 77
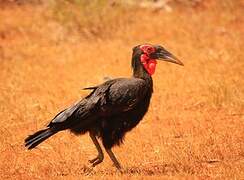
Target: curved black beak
column 162, row 54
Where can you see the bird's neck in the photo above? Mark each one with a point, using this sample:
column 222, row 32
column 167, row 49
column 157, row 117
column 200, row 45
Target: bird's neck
column 138, row 70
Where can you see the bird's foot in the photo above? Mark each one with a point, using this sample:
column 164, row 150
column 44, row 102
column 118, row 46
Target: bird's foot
column 96, row 160
column 88, row 170
column 118, row 167
column 93, row 160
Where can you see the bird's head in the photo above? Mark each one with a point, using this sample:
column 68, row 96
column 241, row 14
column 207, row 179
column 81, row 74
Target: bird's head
column 147, row 55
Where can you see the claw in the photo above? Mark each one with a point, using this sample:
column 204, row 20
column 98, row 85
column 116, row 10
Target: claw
column 96, row 160
column 93, row 160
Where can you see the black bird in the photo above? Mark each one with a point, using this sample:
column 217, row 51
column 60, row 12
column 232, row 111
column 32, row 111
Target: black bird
column 112, row 108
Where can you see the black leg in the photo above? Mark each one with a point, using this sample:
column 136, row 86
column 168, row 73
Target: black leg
column 100, row 155
column 113, row 158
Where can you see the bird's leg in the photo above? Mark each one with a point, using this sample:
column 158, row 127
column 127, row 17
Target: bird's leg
column 100, row 155
column 113, row 158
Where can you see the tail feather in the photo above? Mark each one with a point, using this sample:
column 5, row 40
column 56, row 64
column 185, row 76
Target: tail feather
column 38, row 137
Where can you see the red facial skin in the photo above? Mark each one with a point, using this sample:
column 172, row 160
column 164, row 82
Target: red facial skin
column 149, row 64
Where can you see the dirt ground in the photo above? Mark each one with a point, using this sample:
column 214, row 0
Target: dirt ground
column 194, row 127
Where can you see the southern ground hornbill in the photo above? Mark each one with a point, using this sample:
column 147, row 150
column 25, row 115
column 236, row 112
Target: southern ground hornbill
column 112, row 108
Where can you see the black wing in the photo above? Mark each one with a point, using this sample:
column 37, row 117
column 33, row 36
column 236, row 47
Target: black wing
column 123, row 95
column 112, row 97
column 83, row 110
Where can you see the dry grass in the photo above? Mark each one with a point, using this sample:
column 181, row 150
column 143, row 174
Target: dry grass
column 194, row 128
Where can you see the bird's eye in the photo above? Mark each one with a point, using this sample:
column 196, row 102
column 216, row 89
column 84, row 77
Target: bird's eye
column 150, row 50
column 147, row 49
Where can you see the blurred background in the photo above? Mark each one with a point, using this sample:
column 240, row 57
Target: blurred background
column 51, row 49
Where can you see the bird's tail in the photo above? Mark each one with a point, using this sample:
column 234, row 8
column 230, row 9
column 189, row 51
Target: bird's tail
column 37, row 138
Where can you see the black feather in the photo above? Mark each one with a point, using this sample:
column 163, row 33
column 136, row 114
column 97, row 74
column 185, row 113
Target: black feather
column 90, row 88
column 40, row 136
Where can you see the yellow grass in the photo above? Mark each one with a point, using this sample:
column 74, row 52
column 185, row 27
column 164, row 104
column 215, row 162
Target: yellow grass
column 194, row 128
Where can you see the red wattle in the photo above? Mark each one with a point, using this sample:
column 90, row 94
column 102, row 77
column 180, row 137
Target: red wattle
column 144, row 58
column 149, row 64
column 152, row 67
